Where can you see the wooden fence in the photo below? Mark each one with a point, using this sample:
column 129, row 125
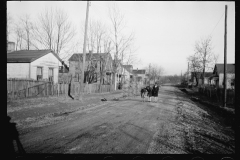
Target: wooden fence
column 23, row 88
column 217, row 94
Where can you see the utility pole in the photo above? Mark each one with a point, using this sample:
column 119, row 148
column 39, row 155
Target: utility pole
column 188, row 73
column 225, row 60
column 81, row 89
column 149, row 73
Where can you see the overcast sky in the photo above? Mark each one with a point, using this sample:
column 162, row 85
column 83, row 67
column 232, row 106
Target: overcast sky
column 165, row 32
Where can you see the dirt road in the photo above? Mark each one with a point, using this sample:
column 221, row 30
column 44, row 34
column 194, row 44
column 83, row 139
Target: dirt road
column 173, row 125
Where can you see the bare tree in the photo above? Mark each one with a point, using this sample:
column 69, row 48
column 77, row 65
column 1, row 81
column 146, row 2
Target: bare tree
column 28, row 30
column 195, row 66
column 215, row 60
column 132, row 59
column 160, row 72
column 98, row 42
column 65, row 32
column 9, row 24
column 44, row 29
column 204, row 54
column 121, row 42
column 96, row 36
column 19, row 33
column 53, row 30
column 155, row 72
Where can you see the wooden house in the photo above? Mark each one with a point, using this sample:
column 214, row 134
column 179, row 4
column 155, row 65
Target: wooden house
column 218, row 75
column 33, row 64
column 140, row 76
column 95, row 64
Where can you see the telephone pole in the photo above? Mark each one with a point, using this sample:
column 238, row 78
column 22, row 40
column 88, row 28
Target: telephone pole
column 81, row 89
column 188, row 73
column 225, row 60
column 149, row 73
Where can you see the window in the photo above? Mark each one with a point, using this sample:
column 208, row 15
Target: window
column 232, row 82
column 139, row 79
column 50, row 74
column 76, row 77
column 39, row 73
column 95, row 77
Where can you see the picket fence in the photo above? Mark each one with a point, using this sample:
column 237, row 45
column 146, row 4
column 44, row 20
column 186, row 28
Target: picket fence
column 23, row 88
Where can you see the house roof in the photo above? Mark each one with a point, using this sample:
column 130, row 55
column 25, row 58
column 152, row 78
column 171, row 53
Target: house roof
column 75, row 56
column 139, row 71
column 200, row 74
column 219, row 68
column 28, row 56
column 128, row 68
column 207, row 74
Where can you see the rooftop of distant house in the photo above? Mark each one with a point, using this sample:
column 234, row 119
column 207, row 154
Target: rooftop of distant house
column 139, row 71
column 89, row 56
column 220, row 68
column 128, row 68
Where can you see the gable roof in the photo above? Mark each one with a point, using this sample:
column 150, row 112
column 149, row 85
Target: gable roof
column 28, row 56
column 75, row 56
column 219, row 68
column 139, row 71
column 207, row 74
column 200, row 74
column 128, row 68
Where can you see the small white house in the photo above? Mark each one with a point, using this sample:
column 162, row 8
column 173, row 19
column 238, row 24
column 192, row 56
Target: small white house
column 33, row 64
column 140, row 75
column 127, row 73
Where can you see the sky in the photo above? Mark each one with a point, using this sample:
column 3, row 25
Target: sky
column 165, row 32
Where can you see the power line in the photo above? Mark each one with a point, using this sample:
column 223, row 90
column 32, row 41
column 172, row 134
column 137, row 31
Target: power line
column 217, row 24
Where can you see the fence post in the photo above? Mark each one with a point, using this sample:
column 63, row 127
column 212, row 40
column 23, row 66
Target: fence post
column 210, row 91
column 52, row 86
column 27, row 90
column 58, row 90
column 63, row 88
column 12, row 88
column 64, row 85
column 47, row 88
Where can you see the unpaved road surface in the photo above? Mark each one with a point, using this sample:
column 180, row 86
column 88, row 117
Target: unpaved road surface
column 174, row 125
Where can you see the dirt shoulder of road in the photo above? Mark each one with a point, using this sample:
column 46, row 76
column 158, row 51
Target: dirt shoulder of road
column 26, row 112
column 202, row 99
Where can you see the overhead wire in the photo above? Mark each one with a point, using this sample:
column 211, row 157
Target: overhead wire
column 217, row 23
column 220, row 19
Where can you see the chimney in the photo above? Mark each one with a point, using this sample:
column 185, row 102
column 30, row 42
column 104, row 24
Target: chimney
column 10, row 47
